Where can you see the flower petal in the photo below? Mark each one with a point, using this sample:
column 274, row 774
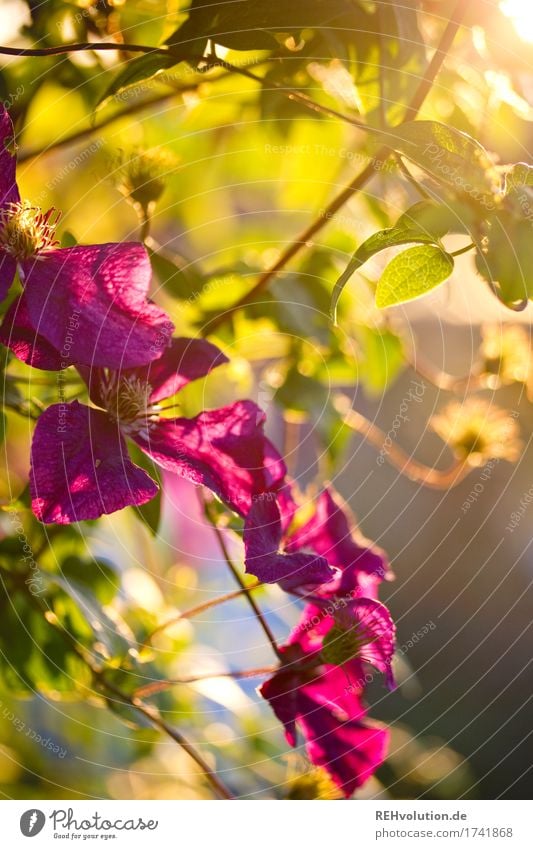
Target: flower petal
column 336, row 737
column 349, row 750
column 262, row 538
column 332, row 533
column 103, row 288
column 185, row 360
column 222, row 449
column 9, row 192
column 80, row 468
column 8, row 268
column 18, row 333
column 371, row 621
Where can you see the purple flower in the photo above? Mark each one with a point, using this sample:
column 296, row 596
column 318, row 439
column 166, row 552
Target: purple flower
column 307, row 694
column 349, row 634
column 327, row 551
column 100, row 289
column 80, row 467
column 263, row 558
column 332, row 532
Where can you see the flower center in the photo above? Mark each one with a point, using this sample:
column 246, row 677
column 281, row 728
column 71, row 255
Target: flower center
column 26, row 232
column 342, row 645
column 127, row 402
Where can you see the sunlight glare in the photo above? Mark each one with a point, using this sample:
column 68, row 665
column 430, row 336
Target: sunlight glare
column 521, row 15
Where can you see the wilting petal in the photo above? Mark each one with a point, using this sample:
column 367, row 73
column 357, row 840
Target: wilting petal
column 18, row 333
column 262, row 538
column 101, row 288
column 222, row 449
column 332, row 533
column 8, row 268
column 9, row 192
column 331, row 721
column 80, row 467
column 185, row 360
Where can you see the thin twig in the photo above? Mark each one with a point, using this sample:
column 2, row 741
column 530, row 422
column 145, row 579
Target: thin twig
column 415, row 471
column 160, row 686
column 236, row 574
column 200, row 608
column 306, row 237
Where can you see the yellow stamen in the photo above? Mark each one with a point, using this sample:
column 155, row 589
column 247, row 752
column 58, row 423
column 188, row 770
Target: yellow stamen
column 26, row 232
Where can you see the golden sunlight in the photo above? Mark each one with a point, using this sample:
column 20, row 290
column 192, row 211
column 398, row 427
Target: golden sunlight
column 521, row 14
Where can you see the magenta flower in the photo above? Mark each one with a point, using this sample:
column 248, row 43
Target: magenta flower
column 327, row 550
column 263, row 557
column 330, row 715
column 89, row 303
column 350, row 634
column 80, row 468
column 332, row 532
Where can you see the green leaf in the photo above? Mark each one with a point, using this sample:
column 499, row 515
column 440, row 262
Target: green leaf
column 97, row 575
column 424, row 223
column 413, row 273
column 312, row 400
column 252, row 25
column 452, row 157
column 179, row 280
column 136, row 72
column 518, row 176
column 504, row 256
column 149, row 513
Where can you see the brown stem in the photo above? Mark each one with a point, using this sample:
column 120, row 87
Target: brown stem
column 61, row 49
column 358, row 182
column 396, row 456
column 160, row 686
column 235, row 572
column 200, row 608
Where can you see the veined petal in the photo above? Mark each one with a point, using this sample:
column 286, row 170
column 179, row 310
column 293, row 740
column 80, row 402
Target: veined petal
column 18, row 334
column 262, row 538
column 332, row 532
column 222, row 449
column 183, row 361
column 103, row 288
column 80, row 468
column 9, row 192
column 373, row 626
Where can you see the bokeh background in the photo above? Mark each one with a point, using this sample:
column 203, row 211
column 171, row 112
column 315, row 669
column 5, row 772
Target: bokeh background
column 243, row 176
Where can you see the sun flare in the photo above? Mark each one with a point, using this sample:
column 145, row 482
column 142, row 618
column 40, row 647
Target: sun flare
column 521, row 15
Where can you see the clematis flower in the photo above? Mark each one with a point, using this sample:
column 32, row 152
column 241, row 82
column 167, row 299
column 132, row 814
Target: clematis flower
column 80, row 468
column 327, row 551
column 332, row 532
column 102, row 289
column 263, row 557
column 311, row 695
